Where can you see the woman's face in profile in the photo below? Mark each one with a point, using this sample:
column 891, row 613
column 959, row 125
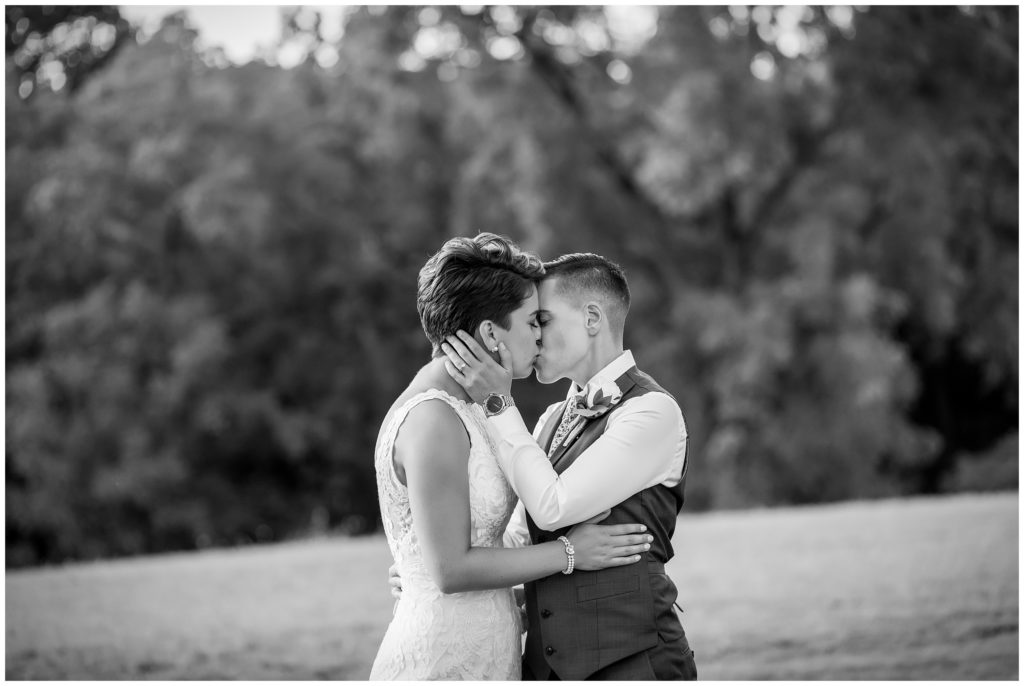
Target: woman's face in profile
column 522, row 336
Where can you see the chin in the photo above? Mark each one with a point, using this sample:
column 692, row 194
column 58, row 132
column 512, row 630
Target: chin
column 522, row 372
column 545, row 378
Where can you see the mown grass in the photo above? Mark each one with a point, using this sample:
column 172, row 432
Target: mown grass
column 911, row 589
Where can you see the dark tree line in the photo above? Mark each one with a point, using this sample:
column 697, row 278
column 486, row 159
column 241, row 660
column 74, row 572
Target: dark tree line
column 211, row 268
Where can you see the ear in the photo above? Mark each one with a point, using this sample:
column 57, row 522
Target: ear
column 593, row 317
column 485, row 335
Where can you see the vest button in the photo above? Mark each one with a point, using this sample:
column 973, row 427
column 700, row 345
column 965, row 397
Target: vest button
column 549, row 650
column 545, row 613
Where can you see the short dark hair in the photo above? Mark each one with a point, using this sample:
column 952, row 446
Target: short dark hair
column 583, row 273
column 470, row 280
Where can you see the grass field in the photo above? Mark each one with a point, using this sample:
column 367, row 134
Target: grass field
column 902, row 589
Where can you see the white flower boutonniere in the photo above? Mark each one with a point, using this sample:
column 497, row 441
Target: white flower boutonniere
column 597, row 397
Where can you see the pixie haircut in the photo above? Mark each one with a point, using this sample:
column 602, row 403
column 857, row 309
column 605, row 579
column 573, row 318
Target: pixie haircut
column 470, row 280
column 582, row 276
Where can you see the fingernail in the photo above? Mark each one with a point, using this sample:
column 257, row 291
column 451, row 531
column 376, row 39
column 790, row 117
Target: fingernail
column 643, row 528
column 636, row 558
column 647, row 546
column 650, row 539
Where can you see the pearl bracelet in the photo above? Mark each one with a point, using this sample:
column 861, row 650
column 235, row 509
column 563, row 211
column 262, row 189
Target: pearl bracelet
column 570, row 553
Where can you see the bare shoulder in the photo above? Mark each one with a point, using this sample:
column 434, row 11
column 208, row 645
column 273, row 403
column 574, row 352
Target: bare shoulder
column 432, row 431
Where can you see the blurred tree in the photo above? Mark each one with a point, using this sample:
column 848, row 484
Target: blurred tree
column 61, row 45
column 211, row 270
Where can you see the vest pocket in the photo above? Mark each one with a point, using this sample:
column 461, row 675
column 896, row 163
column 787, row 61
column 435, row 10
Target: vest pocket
column 669, row 626
column 607, row 589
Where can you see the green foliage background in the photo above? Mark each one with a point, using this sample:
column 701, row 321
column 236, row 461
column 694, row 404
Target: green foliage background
column 211, row 269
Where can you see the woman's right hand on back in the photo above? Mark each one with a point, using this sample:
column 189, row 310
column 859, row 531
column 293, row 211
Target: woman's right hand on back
column 599, row 546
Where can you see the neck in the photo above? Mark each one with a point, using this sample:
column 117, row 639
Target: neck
column 601, row 353
column 436, row 376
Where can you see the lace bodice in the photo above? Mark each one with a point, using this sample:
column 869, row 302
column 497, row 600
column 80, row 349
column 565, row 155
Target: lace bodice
column 433, row 635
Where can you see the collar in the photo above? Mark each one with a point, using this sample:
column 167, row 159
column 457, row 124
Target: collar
column 612, row 371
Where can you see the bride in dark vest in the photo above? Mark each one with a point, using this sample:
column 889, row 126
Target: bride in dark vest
column 618, row 441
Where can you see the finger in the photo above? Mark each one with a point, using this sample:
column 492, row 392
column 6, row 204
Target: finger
column 459, row 359
column 471, row 344
column 625, row 560
column 505, row 358
column 632, row 549
column 464, row 351
column 624, row 529
column 454, row 372
column 598, row 517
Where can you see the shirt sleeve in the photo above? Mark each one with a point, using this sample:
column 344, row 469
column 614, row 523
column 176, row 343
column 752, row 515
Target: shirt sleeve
column 636, row 451
column 517, row 533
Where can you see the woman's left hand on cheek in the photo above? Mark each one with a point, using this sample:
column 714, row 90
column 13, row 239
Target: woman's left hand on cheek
column 475, row 370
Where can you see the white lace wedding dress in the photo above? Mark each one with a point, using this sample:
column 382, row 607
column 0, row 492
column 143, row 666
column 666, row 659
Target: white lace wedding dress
column 457, row 636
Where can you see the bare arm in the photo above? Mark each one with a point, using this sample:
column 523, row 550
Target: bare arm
column 433, row 449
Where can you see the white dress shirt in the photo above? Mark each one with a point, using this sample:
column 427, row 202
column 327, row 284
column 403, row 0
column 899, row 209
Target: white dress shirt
column 644, row 444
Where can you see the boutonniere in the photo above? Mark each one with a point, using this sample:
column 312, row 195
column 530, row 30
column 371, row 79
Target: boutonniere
column 597, row 397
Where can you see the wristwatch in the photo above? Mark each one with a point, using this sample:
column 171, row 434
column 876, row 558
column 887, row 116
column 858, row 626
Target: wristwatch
column 496, row 403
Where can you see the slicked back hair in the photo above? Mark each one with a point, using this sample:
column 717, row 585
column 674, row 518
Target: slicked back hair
column 470, row 280
column 582, row 276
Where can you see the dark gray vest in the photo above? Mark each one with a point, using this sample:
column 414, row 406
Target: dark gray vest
column 584, row 621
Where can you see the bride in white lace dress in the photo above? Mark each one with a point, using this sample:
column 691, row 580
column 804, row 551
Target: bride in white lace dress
column 444, row 501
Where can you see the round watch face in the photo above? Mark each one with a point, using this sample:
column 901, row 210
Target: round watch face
column 495, row 403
